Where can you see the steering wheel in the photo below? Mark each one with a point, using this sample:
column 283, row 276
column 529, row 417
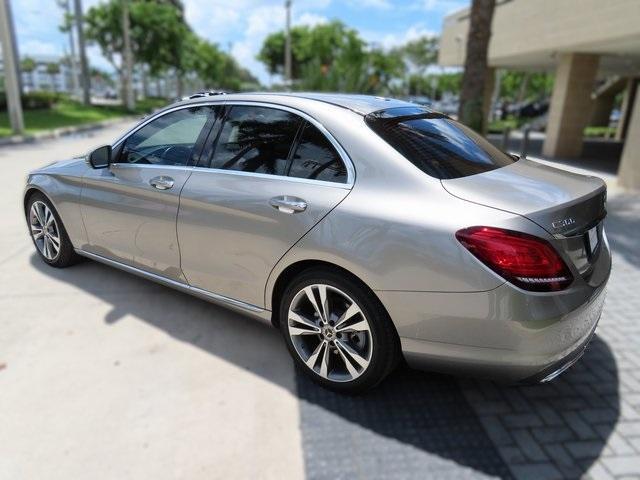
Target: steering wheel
column 176, row 155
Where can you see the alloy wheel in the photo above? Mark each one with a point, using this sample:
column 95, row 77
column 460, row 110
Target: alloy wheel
column 330, row 333
column 44, row 230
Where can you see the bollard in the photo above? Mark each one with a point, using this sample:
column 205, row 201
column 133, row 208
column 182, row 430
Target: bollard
column 505, row 138
column 525, row 141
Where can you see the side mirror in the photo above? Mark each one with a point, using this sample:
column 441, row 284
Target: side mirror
column 100, row 157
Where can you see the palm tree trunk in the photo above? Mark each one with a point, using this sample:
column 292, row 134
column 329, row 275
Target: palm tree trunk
column 470, row 110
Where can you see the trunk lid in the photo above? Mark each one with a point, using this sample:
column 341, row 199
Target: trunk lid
column 561, row 202
column 567, row 205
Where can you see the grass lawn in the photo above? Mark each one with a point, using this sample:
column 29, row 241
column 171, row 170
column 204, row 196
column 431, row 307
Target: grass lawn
column 68, row 113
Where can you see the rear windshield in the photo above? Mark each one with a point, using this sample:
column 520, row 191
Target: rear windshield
column 437, row 145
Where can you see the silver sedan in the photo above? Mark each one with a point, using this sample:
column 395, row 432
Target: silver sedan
column 368, row 230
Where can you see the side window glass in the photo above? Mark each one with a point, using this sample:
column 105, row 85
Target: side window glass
column 256, row 139
column 315, row 158
column 167, row 140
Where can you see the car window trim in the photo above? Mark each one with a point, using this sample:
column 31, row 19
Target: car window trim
column 211, row 140
column 351, row 172
column 294, row 146
column 118, row 145
column 325, row 183
column 344, row 157
column 159, row 114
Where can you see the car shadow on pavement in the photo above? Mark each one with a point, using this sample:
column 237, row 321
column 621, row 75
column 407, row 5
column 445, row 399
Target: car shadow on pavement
column 415, row 424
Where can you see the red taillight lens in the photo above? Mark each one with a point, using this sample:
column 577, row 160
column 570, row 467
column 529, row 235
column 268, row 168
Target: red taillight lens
column 529, row 262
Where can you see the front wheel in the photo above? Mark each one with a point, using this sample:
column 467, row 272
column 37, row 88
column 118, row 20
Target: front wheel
column 337, row 331
column 48, row 233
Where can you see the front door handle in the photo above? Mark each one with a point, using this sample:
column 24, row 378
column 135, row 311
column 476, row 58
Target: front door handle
column 162, row 182
column 287, row 204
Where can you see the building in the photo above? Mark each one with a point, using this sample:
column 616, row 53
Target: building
column 593, row 46
column 39, row 79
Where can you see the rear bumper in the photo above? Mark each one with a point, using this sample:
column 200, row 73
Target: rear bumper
column 504, row 334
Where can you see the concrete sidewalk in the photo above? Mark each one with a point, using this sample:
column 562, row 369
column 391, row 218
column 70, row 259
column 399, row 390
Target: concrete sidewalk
column 107, row 376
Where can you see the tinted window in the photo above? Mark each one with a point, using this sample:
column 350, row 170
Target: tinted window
column 167, row 140
column 315, row 158
column 256, row 139
column 436, row 144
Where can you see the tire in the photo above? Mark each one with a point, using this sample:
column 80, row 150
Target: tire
column 360, row 355
column 53, row 246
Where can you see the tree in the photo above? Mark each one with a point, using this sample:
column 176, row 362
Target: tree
column 84, row 64
column 332, row 57
column 53, row 69
column 519, row 86
column 158, row 34
column 470, row 110
column 422, row 52
column 28, row 65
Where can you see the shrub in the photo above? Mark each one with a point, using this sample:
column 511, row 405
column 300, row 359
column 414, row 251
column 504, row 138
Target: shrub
column 35, row 100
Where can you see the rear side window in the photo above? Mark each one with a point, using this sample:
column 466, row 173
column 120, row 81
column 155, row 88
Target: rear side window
column 256, row 139
column 437, row 145
column 316, row 159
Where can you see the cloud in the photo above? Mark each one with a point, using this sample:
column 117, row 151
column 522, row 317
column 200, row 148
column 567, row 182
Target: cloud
column 255, row 23
column 391, row 40
column 377, row 4
column 311, row 19
column 441, row 6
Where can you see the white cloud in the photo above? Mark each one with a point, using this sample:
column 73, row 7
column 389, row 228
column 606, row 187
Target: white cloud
column 311, row 19
column 255, row 21
column 37, row 47
column 391, row 40
column 378, row 4
column 441, row 6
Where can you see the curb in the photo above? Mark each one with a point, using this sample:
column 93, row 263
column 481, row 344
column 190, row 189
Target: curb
column 61, row 131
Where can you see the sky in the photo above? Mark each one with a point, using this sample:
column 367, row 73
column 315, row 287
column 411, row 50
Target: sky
column 240, row 26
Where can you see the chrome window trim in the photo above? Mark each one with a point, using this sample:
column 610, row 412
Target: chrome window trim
column 344, row 186
column 118, row 166
column 351, row 172
column 159, row 114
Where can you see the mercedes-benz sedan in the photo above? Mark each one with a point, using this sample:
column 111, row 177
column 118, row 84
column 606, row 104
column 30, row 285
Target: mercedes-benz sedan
column 368, row 230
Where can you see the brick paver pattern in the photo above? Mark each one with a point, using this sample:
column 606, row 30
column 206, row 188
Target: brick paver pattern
column 586, row 423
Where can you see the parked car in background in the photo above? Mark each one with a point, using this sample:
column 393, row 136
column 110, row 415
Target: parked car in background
column 366, row 229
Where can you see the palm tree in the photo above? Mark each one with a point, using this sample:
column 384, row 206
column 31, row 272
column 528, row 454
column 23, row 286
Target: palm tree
column 53, row 69
column 28, row 65
column 470, row 110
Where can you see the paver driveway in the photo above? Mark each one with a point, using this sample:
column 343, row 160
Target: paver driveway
column 107, row 376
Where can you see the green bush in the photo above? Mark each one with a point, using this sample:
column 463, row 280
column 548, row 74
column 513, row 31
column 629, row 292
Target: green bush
column 37, row 100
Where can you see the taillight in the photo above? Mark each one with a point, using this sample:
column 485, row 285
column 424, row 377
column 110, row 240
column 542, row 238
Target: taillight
column 527, row 261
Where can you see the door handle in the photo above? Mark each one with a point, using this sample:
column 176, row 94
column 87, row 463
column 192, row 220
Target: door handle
column 287, row 204
column 162, row 182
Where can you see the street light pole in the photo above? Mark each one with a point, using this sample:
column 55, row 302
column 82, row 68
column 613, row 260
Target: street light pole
column 128, row 62
column 84, row 66
column 287, row 45
column 11, row 70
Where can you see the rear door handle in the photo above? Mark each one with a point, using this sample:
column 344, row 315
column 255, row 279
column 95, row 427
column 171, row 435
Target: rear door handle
column 287, row 204
column 162, row 182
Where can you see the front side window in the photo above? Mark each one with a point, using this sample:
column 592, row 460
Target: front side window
column 167, row 140
column 316, row 159
column 256, row 139
column 437, row 145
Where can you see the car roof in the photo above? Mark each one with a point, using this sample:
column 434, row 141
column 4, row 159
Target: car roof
column 362, row 104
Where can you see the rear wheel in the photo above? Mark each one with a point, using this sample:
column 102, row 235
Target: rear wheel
column 337, row 331
column 48, row 233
